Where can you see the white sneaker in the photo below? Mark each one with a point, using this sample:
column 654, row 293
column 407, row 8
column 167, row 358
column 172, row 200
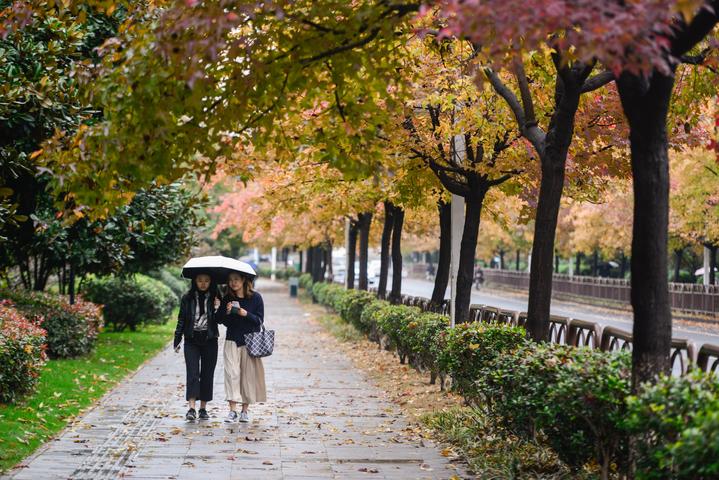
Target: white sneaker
column 231, row 417
column 244, row 417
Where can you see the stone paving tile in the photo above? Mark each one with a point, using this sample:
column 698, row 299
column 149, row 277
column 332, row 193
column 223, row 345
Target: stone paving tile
column 323, row 419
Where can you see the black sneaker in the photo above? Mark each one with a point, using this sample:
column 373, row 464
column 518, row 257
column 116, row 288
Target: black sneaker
column 191, row 415
column 203, row 414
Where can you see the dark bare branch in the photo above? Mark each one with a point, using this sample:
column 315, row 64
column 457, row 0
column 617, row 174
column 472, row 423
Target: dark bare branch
column 688, row 35
column 597, row 81
column 530, row 118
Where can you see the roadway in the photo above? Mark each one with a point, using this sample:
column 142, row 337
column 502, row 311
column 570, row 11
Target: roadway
column 605, row 316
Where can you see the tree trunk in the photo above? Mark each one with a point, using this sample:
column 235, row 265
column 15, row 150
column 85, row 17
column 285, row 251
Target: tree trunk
column 623, row 266
column 677, row 263
column 516, row 263
column 646, row 103
column 301, row 259
column 578, row 264
column 62, row 278
column 712, row 264
column 501, row 259
column 595, row 264
column 385, row 248
column 365, row 221
column 553, row 160
column 465, row 274
column 351, row 254
column 310, row 260
column 317, row 261
column 71, row 285
column 556, row 263
column 445, row 250
column 328, row 261
column 396, row 292
column 540, row 277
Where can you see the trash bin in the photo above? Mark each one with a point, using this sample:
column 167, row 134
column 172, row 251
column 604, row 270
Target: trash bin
column 294, row 285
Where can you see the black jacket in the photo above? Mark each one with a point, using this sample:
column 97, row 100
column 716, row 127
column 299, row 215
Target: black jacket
column 186, row 319
column 238, row 326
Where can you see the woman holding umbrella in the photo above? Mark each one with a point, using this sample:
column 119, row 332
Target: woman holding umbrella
column 196, row 322
column 242, row 311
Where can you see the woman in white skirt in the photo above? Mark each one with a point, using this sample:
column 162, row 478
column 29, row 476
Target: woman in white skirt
column 241, row 311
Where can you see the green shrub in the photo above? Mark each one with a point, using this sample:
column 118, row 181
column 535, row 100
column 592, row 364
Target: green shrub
column 329, row 294
column 334, row 296
column 676, row 424
column 351, row 305
column 285, row 273
column 132, row 301
column 369, row 318
column 422, row 340
column 71, row 330
column 176, row 283
column 306, row 281
column 22, row 353
column 393, row 321
column 467, row 348
column 573, row 397
column 318, row 292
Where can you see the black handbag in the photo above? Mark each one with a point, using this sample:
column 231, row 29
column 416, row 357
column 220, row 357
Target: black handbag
column 260, row 344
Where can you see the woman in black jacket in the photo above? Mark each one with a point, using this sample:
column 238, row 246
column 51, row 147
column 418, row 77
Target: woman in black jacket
column 196, row 322
column 242, row 311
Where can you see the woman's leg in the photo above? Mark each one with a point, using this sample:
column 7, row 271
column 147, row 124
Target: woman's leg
column 232, row 374
column 252, row 380
column 207, row 370
column 192, row 366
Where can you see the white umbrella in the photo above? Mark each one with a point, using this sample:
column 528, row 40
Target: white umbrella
column 701, row 271
column 217, row 266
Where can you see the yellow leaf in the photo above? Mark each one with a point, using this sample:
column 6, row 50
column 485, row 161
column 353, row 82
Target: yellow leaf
column 36, row 154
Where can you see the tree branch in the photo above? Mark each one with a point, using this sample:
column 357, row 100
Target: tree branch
column 531, row 132
column 687, row 36
column 500, row 180
column 597, row 81
column 530, row 118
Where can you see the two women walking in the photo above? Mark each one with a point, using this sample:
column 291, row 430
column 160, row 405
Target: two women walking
column 241, row 310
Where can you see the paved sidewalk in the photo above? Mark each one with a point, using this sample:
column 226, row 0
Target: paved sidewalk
column 323, row 419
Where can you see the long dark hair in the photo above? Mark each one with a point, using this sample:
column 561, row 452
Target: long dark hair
column 212, row 290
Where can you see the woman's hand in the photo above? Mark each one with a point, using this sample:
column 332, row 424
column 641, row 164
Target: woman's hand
column 229, row 307
column 243, row 312
column 217, row 303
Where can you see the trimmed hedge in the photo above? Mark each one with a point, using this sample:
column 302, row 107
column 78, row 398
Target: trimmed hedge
column 575, row 400
column 574, row 396
column 22, row 353
column 467, row 348
column 306, row 281
column 71, row 329
column 676, row 426
column 132, row 301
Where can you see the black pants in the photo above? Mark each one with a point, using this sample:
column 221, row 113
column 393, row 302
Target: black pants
column 200, row 361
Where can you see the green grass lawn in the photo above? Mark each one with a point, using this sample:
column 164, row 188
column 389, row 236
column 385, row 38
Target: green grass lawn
column 68, row 386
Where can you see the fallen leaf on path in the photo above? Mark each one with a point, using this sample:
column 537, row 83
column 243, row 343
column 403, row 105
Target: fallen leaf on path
column 368, row 470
